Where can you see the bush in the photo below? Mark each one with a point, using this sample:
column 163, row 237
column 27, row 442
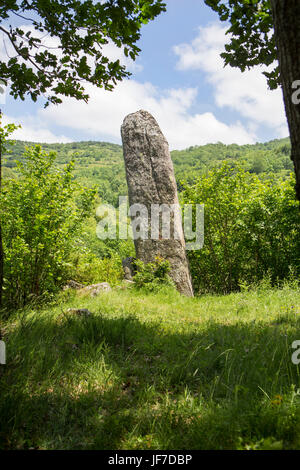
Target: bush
column 153, row 276
column 87, row 268
column 41, row 212
column 251, row 230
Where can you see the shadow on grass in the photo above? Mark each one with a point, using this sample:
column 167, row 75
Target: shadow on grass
column 113, row 383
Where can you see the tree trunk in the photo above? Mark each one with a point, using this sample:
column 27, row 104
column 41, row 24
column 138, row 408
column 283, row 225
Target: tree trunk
column 286, row 19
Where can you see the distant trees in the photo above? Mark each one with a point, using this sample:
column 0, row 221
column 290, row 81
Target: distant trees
column 101, row 163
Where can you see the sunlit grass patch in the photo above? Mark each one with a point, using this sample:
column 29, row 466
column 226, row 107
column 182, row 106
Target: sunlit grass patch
column 153, row 371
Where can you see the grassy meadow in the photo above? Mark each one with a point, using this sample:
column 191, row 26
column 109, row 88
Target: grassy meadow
column 153, row 371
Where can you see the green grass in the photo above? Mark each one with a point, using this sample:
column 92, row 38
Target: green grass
column 153, row 371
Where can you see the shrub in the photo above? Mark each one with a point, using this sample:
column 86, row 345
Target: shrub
column 87, row 268
column 251, row 229
column 41, row 212
column 153, row 276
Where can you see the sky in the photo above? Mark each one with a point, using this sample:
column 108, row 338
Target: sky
column 179, row 78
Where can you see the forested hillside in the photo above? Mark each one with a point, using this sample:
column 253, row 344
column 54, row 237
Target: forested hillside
column 101, row 163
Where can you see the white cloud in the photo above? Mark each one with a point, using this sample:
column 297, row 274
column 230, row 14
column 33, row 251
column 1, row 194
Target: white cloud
column 102, row 117
column 246, row 92
column 114, row 53
column 33, row 131
column 7, row 50
column 104, row 113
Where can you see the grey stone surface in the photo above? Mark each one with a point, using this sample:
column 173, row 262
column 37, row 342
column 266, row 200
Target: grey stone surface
column 73, row 285
column 79, row 311
column 129, row 268
column 96, row 289
column 151, row 180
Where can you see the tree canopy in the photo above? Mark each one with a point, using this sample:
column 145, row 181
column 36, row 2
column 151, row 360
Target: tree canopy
column 252, row 37
column 261, row 32
column 59, row 44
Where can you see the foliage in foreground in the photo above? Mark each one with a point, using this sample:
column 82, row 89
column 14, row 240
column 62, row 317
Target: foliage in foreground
column 252, row 40
column 153, row 276
column 154, row 372
column 87, row 268
column 41, row 213
column 251, row 229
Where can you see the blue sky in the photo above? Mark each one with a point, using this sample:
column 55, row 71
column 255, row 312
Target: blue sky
column 179, row 77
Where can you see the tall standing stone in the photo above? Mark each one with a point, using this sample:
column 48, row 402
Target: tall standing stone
column 151, row 182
